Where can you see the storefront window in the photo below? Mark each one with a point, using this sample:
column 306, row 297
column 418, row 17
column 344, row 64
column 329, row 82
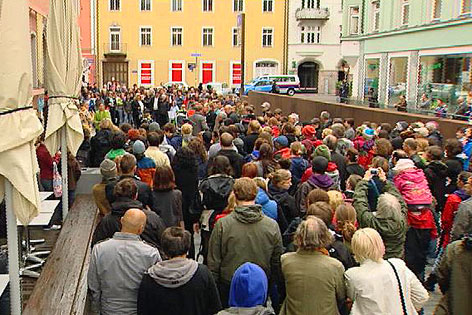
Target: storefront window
column 398, row 72
column 445, row 78
column 371, row 83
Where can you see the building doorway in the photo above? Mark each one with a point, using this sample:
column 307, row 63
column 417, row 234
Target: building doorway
column 308, row 75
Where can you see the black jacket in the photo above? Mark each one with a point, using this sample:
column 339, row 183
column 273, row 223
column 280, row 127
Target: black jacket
column 236, row 160
column 216, row 190
column 168, row 205
column 144, row 191
column 436, row 174
column 249, row 141
column 285, row 201
column 454, row 167
column 100, row 144
column 111, row 222
column 340, row 162
column 199, row 296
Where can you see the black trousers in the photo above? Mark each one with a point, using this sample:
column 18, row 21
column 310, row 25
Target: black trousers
column 416, row 250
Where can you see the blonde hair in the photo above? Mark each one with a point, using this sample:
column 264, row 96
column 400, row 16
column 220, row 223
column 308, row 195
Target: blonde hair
column 346, row 216
column 254, row 127
column 279, row 176
column 187, row 129
column 312, row 233
column 261, row 183
column 367, row 244
column 335, row 199
column 106, row 124
column 231, row 202
column 326, row 132
column 245, row 189
column 296, row 148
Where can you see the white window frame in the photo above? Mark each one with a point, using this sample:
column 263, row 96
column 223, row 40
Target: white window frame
column 272, row 4
column 433, row 10
column 172, row 5
column 351, row 16
column 400, row 54
column 207, row 2
column 141, row 35
column 172, row 36
column 140, row 62
column 272, row 37
column 254, row 64
column 183, row 69
column 463, row 7
column 234, row 31
column 213, row 73
column 403, row 5
column 310, row 4
column 212, row 36
column 141, row 8
column 307, row 31
column 114, row 32
column 375, row 15
column 115, row 1
column 238, row 4
column 231, row 63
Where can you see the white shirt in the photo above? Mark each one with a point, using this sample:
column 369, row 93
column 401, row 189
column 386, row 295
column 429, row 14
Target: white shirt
column 373, row 288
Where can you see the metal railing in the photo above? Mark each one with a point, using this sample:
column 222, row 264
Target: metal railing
column 312, row 14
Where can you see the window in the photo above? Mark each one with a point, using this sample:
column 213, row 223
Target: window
column 354, row 21
column 375, row 16
column 405, row 12
column 207, row 72
column 176, row 71
column 176, row 5
column 145, row 5
column 145, row 36
column 235, row 73
column 238, row 5
column 267, row 37
column 177, row 34
column 310, row 4
column 466, row 6
column 310, row 34
column 115, row 5
column 267, row 5
column 207, row 5
column 436, row 9
column 207, row 36
column 146, row 72
column 115, row 34
column 235, row 38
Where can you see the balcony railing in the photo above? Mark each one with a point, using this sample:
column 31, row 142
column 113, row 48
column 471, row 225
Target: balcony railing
column 115, row 49
column 312, row 14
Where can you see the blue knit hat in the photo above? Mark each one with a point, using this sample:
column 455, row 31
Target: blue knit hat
column 248, row 286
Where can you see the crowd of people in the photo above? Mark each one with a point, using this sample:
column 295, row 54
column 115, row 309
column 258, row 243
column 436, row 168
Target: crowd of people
column 292, row 217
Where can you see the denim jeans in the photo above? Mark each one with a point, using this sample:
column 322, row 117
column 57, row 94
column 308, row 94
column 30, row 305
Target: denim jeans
column 121, row 115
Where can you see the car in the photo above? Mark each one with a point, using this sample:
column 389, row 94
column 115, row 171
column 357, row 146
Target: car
column 287, row 84
column 219, row 88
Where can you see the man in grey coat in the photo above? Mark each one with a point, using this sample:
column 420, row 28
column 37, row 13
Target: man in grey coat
column 117, row 267
column 198, row 120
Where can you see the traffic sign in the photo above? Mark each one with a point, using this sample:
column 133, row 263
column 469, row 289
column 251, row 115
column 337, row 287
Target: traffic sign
column 196, row 55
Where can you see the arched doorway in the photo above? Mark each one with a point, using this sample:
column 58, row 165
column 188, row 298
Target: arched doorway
column 308, row 75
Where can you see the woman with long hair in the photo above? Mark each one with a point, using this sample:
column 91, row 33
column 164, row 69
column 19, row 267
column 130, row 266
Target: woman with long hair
column 167, row 200
column 266, row 163
column 196, row 144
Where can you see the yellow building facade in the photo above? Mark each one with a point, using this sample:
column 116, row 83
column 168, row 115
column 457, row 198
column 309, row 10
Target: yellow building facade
column 151, row 42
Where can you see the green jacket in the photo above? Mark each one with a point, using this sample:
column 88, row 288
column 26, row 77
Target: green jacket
column 114, row 153
column 245, row 235
column 393, row 231
column 99, row 116
column 454, row 278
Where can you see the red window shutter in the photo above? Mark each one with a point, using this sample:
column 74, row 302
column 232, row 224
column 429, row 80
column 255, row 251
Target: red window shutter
column 236, row 74
column 207, row 72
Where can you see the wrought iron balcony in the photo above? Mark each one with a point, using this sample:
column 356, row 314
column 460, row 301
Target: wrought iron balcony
column 115, row 49
column 312, row 14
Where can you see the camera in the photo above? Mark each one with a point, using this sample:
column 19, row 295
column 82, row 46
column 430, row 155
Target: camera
column 374, row 172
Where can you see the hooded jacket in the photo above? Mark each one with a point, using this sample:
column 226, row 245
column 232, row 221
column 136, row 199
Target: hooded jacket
column 111, row 222
column 269, row 207
column 298, row 166
column 436, row 174
column 413, row 186
column 178, row 286
column 216, row 190
column 242, row 236
column 285, row 201
column 392, row 231
column 323, row 181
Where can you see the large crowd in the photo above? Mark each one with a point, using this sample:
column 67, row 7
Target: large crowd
column 209, row 208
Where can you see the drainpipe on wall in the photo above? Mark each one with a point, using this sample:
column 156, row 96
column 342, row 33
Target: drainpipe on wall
column 362, row 17
column 285, row 49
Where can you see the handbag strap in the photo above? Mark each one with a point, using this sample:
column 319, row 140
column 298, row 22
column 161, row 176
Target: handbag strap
column 402, row 297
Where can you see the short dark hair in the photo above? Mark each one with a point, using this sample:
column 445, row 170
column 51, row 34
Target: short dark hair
column 435, row 153
column 221, row 165
column 175, row 241
column 169, row 127
column 349, row 121
column 453, row 147
column 319, row 164
column 127, row 163
column 351, row 155
column 118, row 140
column 154, row 139
column 126, row 188
column 164, row 178
column 226, row 139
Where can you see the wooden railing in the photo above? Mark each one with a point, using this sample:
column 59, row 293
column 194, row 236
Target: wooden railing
column 62, row 286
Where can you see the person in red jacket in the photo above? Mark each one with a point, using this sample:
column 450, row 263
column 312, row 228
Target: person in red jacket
column 45, row 165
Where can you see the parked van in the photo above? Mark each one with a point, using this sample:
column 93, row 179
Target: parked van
column 287, row 84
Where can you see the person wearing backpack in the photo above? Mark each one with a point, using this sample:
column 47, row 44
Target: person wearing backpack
column 101, row 143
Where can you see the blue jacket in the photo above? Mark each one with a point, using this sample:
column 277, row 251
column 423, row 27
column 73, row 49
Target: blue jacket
column 269, row 207
column 298, row 167
column 467, row 150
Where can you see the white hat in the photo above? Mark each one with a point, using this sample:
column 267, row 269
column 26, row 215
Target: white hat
column 403, row 164
column 265, row 106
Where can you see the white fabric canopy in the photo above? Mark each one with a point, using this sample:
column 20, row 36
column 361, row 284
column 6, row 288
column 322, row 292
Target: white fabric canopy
column 19, row 125
column 63, row 74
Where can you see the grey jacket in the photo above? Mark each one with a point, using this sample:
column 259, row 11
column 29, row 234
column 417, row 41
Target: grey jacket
column 116, row 269
column 199, row 123
column 463, row 220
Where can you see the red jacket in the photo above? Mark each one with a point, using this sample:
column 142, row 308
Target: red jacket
column 44, row 161
column 309, row 171
column 449, row 213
